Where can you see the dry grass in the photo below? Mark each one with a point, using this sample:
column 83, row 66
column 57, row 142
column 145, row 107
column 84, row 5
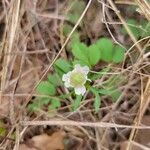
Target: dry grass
column 31, row 43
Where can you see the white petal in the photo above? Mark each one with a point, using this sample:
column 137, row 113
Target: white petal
column 78, row 67
column 80, row 90
column 67, row 84
column 86, row 69
column 66, row 77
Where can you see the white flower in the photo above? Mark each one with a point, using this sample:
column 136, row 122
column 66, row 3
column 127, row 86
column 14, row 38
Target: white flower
column 77, row 78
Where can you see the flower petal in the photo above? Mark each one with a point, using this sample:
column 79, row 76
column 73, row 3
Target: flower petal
column 86, row 69
column 80, row 90
column 67, row 84
column 66, row 77
column 77, row 67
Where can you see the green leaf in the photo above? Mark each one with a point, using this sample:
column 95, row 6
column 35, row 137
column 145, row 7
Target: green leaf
column 54, row 79
column 63, row 65
column 75, row 6
column 46, row 88
column 106, row 49
column 75, row 38
column 97, row 100
column 79, row 62
column 31, row 107
column 80, row 52
column 35, row 105
column 59, row 71
column 99, row 74
column 67, row 29
column 44, row 101
column 113, row 93
column 105, row 91
column 73, row 18
column 40, row 102
column 114, row 81
column 55, row 103
column 133, row 26
column 77, row 102
column 94, row 54
column 2, row 129
column 146, row 27
column 76, row 10
column 118, row 54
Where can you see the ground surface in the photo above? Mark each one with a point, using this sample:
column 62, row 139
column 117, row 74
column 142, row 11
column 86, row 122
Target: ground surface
column 32, row 37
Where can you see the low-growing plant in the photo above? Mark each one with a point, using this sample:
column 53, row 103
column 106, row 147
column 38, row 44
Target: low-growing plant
column 2, row 129
column 84, row 59
column 139, row 29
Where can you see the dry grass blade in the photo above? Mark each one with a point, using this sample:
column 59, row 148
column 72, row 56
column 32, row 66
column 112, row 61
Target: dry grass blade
column 11, row 37
column 88, row 124
column 144, row 8
column 125, row 24
column 145, row 100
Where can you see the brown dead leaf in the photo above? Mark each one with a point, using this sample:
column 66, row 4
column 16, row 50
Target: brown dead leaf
column 25, row 147
column 46, row 142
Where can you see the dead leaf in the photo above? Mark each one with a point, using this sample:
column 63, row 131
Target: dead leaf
column 46, row 142
column 25, row 147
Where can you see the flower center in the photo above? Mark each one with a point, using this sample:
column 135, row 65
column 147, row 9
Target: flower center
column 77, row 79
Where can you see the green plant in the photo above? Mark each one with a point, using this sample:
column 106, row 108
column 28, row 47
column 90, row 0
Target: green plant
column 72, row 16
column 102, row 50
column 139, row 29
column 2, row 129
column 47, row 90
